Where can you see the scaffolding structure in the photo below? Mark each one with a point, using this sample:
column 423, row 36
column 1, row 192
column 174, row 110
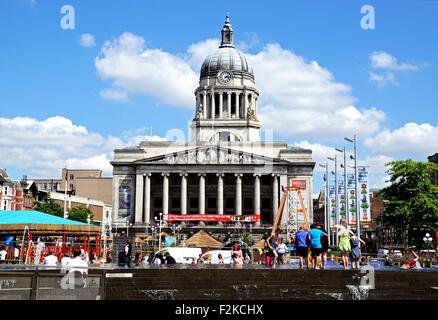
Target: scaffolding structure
column 295, row 205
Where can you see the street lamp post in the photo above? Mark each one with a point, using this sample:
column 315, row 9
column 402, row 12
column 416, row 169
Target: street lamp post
column 326, row 199
column 427, row 240
column 335, row 159
column 344, row 165
column 160, row 220
column 153, row 237
column 356, row 183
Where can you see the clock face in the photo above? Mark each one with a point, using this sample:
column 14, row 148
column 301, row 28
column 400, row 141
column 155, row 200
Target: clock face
column 224, row 77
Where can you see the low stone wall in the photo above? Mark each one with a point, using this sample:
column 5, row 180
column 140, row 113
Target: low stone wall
column 271, row 284
column 222, row 283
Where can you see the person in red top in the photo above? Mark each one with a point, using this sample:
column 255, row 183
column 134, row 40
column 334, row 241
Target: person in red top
column 412, row 262
column 236, row 254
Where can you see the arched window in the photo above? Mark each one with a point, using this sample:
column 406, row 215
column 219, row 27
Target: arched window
column 225, row 136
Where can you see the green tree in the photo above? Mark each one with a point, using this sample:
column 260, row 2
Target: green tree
column 412, row 198
column 49, row 206
column 80, row 213
column 247, row 238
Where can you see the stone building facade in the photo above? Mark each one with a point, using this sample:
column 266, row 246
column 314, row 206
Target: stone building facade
column 225, row 169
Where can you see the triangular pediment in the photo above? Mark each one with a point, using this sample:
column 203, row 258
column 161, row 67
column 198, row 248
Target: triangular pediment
column 209, row 155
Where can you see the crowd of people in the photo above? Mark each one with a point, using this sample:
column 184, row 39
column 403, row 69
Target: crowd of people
column 312, row 245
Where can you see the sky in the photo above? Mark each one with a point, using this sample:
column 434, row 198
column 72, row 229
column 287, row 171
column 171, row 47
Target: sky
column 73, row 90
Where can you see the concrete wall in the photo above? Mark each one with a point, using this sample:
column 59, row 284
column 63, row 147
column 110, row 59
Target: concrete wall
column 95, row 188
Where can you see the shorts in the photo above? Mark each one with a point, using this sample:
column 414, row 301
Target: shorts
column 316, row 251
column 302, row 251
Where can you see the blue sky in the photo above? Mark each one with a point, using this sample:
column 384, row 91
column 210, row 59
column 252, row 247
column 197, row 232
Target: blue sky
column 46, row 73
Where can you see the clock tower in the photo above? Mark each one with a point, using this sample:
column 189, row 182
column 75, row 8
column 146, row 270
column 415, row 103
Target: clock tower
column 226, row 98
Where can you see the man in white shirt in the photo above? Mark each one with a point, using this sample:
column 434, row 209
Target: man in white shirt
column 281, row 250
column 51, row 260
column 3, row 254
column 64, row 262
column 77, row 263
column 16, row 253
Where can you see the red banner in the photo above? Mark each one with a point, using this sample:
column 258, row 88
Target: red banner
column 299, row 184
column 211, row 217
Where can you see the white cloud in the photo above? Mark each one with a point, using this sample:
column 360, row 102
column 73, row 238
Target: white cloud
column 114, row 95
column 388, row 64
column 197, row 52
column 87, row 40
column 382, row 79
column 385, row 61
column 320, row 152
column 136, row 69
column 42, row 148
column 412, row 139
column 300, row 98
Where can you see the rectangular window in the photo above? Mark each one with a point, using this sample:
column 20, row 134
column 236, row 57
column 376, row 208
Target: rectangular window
column 211, row 179
column 175, row 179
column 176, row 203
column 266, row 203
column 247, row 203
column 265, row 180
column 211, row 203
column 229, row 203
column 230, row 179
column 72, row 177
column 158, row 202
column 248, row 179
column 194, row 203
column 193, row 179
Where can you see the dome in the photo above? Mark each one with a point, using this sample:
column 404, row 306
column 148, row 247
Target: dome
column 226, row 58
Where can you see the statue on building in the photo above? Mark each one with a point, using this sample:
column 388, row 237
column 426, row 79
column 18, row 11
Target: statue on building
column 200, row 113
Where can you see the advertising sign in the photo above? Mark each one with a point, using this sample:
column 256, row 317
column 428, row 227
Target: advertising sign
column 341, row 200
column 296, row 205
column 364, row 195
column 211, row 217
column 351, row 198
column 332, row 205
column 125, row 198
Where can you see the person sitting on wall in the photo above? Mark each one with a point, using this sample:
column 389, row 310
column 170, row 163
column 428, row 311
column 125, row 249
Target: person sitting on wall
column 413, row 262
column 169, row 259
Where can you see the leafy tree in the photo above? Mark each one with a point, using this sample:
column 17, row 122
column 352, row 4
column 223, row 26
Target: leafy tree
column 412, row 198
column 80, row 213
column 247, row 238
column 49, row 206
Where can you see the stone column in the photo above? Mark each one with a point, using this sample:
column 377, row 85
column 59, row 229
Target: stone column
column 202, row 193
column 275, row 193
column 220, row 193
column 147, row 198
column 204, row 104
column 238, row 105
column 229, row 104
column 139, row 199
column 115, row 212
column 238, row 194
column 213, row 107
column 165, row 193
column 257, row 210
column 183, row 193
column 245, row 104
column 220, row 104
